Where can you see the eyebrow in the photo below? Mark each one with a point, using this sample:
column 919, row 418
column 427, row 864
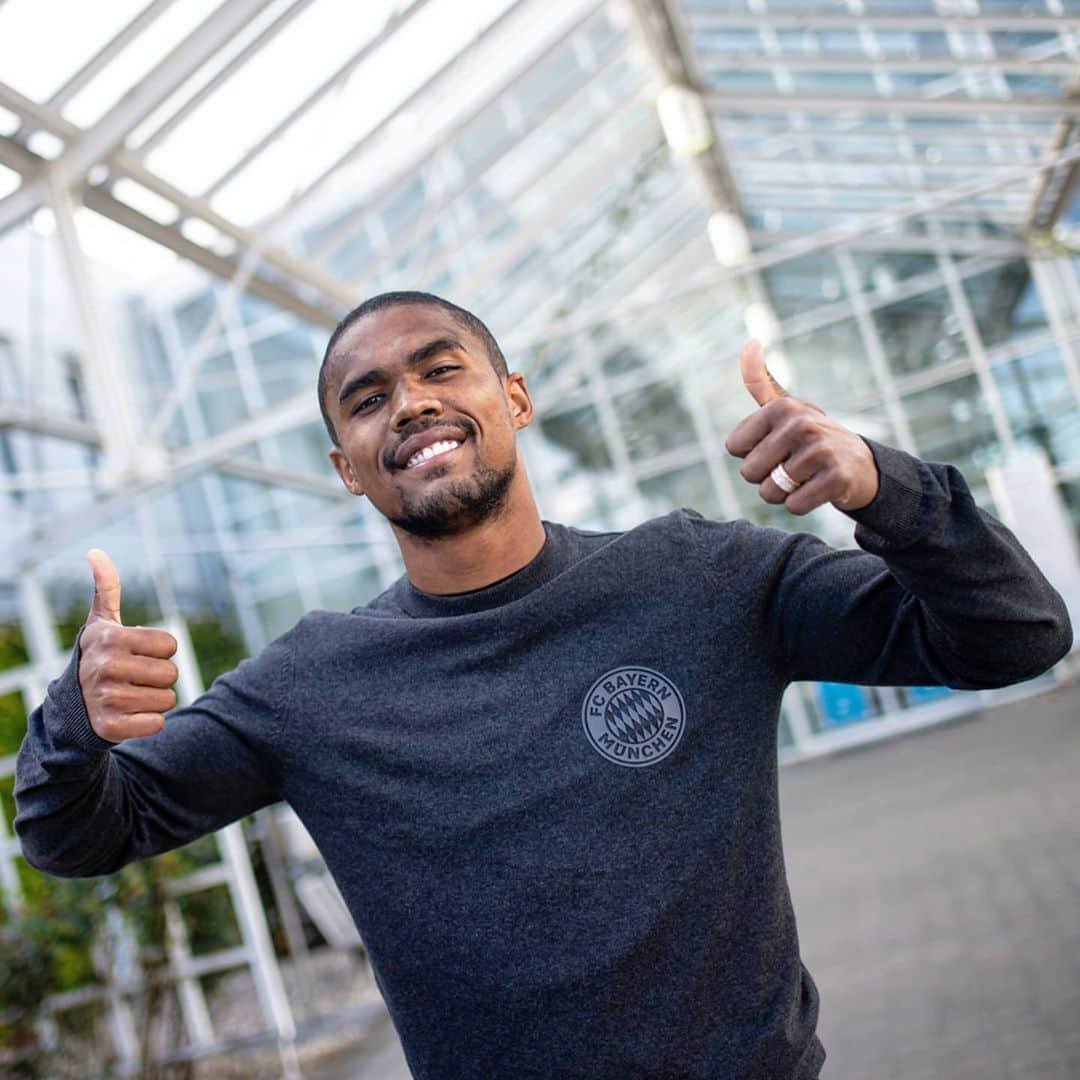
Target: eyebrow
column 416, row 357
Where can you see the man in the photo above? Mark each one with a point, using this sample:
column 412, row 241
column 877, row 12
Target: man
column 542, row 765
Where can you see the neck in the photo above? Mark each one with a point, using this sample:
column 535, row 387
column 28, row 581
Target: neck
column 486, row 553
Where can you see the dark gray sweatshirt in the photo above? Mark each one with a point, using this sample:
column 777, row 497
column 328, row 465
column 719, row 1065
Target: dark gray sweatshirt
column 551, row 804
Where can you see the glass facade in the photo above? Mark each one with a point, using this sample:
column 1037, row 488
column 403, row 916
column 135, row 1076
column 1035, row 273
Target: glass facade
column 521, row 169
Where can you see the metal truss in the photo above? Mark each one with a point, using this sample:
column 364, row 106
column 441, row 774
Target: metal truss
column 698, row 19
column 731, row 102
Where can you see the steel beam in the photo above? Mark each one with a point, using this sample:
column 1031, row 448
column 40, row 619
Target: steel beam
column 873, row 163
column 392, row 185
column 490, row 218
column 279, row 220
column 672, row 59
column 54, row 427
column 394, row 23
column 97, row 142
column 222, row 266
column 127, row 163
column 85, row 433
column 230, row 268
column 849, row 20
column 1054, row 192
column 24, row 200
column 755, row 101
column 263, row 38
column 923, row 206
column 127, row 452
column 944, row 65
column 44, row 481
column 907, row 244
column 97, row 63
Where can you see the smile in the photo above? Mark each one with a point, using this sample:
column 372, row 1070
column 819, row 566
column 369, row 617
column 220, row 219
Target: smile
column 430, row 452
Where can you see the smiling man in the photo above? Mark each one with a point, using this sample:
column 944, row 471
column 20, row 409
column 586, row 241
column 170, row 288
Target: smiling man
column 423, row 415
column 542, row 766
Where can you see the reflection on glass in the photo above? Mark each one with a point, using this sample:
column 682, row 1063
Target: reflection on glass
column 654, row 419
column 1005, row 303
column 578, row 430
column 829, row 365
column 1070, row 494
column 689, row 486
column 193, row 315
column 1040, row 404
column 803, row 284
column 952, row 423
column 882, row 271
column 919, row 332
column 286, row 363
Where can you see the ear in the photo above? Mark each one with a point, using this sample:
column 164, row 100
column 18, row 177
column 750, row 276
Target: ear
column 517, row 396
column 345, row 471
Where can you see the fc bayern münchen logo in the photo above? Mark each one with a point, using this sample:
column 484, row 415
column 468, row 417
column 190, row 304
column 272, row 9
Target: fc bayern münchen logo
column 634, row 716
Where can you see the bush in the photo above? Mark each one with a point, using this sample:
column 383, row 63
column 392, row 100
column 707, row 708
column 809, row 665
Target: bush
column 49, row 946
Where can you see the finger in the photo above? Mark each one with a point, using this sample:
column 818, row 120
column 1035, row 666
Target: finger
column 147, row 641
column 755, row 375
column 817, row 491
column 785, row 446
column 106, row 602
column 139, row 725
column 750, row 430
column 802, row 467
column 142, row 671
column 138, row 699
column 778, row 446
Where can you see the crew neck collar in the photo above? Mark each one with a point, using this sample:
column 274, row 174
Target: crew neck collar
column 542, row 567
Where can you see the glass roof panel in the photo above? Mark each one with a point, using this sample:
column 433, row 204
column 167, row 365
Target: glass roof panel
column 137, row 60
column 37, row 60
column 264, row 89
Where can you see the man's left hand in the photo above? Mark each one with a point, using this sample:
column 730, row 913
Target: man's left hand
column 829, row 462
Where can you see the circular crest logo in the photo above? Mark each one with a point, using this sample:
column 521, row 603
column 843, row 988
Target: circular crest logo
column 634, row 716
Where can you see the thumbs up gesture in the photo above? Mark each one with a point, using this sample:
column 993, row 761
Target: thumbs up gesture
column 125, row 672
column 793, row 452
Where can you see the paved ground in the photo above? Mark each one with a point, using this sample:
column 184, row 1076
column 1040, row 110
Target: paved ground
column 937, row 884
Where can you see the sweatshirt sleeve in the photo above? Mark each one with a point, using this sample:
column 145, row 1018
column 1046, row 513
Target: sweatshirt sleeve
column 941, row 592
column 85, row 806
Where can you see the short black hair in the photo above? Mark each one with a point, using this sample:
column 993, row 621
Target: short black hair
column 466, row 319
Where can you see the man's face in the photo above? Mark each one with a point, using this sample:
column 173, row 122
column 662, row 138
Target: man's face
column 425, row 424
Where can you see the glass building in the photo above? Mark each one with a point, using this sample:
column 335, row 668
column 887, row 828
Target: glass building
column 882, row 192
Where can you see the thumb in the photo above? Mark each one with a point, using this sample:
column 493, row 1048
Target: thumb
column 755, row 375
column 106, row 603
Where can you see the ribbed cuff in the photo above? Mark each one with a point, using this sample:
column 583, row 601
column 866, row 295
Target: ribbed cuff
column 68, row 722
column 902, row 512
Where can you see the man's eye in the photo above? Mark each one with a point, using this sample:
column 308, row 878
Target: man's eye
column 367, row 403
column 443, row 367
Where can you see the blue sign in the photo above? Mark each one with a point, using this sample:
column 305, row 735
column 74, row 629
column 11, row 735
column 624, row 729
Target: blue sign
column 842, row 703
column 917, row 695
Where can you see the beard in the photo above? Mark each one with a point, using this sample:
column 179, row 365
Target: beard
column 455, row 508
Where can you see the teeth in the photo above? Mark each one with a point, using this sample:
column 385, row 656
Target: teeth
column 431, row 451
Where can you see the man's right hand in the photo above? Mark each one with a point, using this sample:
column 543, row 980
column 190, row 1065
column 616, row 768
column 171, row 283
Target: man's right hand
column 125, row 672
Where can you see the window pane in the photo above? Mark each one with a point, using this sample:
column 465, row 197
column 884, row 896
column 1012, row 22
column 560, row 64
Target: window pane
column 920, row 332
column 690, row 486
column 803, row 284
column 1040, row 404
column 653, row 420
column 951, row 423
column 1005, row 303
column 830, row 365
column 578, row 431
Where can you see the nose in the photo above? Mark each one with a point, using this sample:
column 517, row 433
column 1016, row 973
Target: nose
column 411, row 402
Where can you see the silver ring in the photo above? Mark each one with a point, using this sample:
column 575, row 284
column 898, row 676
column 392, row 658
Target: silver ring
column 783, row 480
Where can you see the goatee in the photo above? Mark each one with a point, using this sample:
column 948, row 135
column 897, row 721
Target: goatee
column 459, row 506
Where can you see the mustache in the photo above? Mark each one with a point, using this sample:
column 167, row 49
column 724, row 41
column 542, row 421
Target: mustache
column 464, row 425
